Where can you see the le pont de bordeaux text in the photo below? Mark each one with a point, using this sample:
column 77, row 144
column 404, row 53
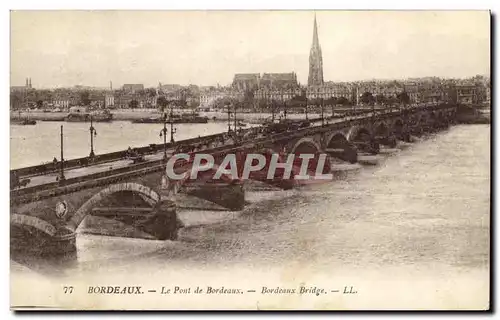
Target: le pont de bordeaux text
column 199, row 290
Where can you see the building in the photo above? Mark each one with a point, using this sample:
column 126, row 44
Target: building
column 431, row 92
column 488, row 94
column 331, row 90
column 388, row 89
column 109, row 100
column 246, row 81
column 209, row 96
column 26, row 87
column 168, row 88
column 466, row 93
column 315, row 60
column 133, row 88
column 279, row 81
column 277, row 94
column 413, row 91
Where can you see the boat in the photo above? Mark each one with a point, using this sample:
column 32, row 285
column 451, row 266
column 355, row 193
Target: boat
column 188, row 118
column 62, row 118
column 81, row 114
column 148, row 120
column 183, row 118
column 22, row 121
column 241, row 124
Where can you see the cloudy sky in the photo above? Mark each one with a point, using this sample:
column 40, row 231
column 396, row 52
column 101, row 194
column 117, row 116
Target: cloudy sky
column 66, row 48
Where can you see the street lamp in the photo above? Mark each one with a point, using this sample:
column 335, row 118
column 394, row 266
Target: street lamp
column 273, row 105
column 93, row 133
column 235, row 121
column 61, row 176
column 228, row 119
column 307, row 118
column 322, row 115
column 163, row 133
column 284, row 106
column 172, row 129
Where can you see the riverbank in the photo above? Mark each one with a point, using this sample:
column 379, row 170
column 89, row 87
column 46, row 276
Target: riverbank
column 130, row 115
column 474, row 116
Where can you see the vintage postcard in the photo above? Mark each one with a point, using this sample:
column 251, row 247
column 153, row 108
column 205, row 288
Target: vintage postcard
column 250, row 160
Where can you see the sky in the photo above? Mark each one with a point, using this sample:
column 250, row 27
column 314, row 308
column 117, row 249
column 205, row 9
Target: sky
column 67, row 48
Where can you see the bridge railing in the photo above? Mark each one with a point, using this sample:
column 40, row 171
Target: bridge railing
column 103, row 158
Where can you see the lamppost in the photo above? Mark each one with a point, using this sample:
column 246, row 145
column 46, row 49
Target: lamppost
column 373, row 116
column 172, row 129
column 61, row 176
column 228, row 119
column 307, row 118
column 273, row 105
column 322, row 102
column 93, row 133
column 235, row 121
column 163, row 133
column 284, row 104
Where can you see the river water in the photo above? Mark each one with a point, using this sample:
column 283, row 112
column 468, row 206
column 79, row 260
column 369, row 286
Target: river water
column 33, row 145
column 412, row 231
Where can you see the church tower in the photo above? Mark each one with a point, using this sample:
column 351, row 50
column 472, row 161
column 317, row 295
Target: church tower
column 315, row 60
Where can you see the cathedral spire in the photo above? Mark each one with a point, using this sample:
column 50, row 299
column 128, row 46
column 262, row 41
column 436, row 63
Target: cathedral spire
column 315, row 59
column 315, row 43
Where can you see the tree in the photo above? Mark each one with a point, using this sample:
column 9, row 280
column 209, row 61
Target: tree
column 15, row 101
column 151, row 92
column 262, row 104
column 194, row 103
column 391, row 100
column 296, row 103
column 85, row 98
column 39, row 104
column 331, row 101
column 220, row 103
column 381, row 99
column 367, row 98
column 403, row 97
column 133, row 104
column 181, row 103
column 343, row 101
column 162, row 102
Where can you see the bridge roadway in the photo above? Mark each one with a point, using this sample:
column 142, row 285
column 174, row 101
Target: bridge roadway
column 80, row 172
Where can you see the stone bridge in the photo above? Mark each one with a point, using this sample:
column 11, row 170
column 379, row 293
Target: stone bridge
column 45, row 216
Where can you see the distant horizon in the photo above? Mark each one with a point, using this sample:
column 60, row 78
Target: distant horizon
column 206, row 48
column 229, row 84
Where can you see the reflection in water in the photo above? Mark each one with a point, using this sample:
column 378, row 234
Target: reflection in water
column 424, row 206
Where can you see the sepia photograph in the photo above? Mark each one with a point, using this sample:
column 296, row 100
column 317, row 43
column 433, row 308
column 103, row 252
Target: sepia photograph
column 250, row 160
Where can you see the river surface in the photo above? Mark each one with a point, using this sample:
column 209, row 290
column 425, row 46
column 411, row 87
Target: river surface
column 33, row 145
column 410, row 231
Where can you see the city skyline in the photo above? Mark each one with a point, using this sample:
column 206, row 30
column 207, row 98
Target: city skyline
column 93, row 48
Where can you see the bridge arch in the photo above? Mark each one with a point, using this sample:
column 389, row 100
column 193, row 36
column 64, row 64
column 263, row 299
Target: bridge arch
column 398, row 126
column 336, row 139
column 381, row 129
column 356, row 132
column 145, row 192
column 306, row 145
column 443, row 118
column 24, row 221
column 173, row 187
column 432, row 116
